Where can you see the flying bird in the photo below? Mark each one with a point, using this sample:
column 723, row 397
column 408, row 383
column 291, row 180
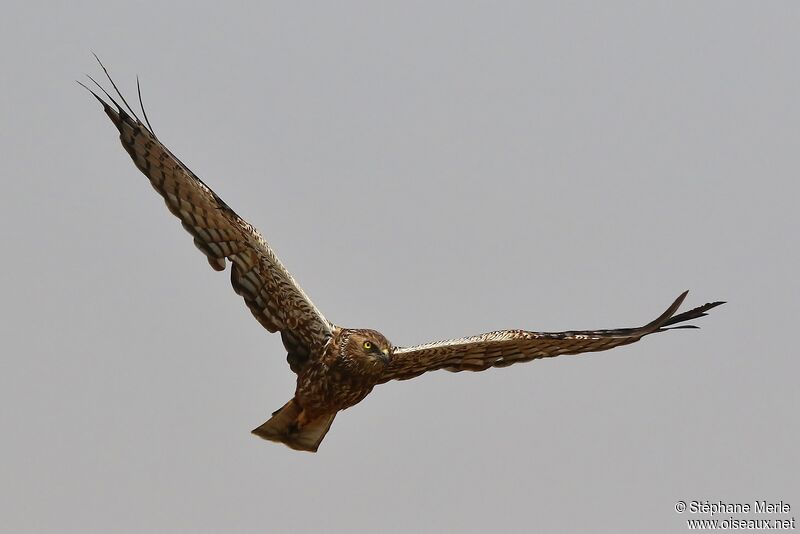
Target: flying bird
column 336, row 367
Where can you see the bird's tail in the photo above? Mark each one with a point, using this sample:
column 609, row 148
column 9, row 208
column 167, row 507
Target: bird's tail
column 284, row 427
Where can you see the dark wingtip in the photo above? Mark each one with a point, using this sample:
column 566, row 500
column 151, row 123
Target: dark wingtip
column 103, row 102
column 116, row 89
column 694, row 313
column 141, row 105
column 111, row 98
column 664, row 318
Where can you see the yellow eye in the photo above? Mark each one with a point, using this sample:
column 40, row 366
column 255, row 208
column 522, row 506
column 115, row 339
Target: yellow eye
column 367, row 345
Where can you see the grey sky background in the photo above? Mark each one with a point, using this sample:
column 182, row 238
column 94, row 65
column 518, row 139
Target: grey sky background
column 432, row 170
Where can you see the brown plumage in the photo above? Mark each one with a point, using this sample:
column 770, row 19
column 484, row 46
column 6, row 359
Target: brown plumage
column 336, row 367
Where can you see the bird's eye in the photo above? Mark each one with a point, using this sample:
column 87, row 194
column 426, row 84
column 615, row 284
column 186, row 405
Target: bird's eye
column 367, row 345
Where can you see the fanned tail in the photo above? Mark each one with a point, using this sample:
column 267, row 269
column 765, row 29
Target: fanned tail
column 285, row 427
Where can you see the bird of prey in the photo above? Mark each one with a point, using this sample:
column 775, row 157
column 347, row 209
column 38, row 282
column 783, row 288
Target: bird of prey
column 336, row 367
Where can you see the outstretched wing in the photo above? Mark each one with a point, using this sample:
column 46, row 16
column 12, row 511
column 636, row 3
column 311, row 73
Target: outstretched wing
column 272, row 295
column 507, row 347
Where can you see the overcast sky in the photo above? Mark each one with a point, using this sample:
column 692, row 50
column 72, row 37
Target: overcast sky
column 431, row 170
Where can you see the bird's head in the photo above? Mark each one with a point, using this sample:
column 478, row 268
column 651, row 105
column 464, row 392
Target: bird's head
column 368, row 350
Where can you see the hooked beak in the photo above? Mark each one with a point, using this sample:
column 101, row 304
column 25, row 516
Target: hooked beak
column 385, row 356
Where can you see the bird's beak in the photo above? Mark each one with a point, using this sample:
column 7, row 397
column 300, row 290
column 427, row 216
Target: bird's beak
column 386, row 356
